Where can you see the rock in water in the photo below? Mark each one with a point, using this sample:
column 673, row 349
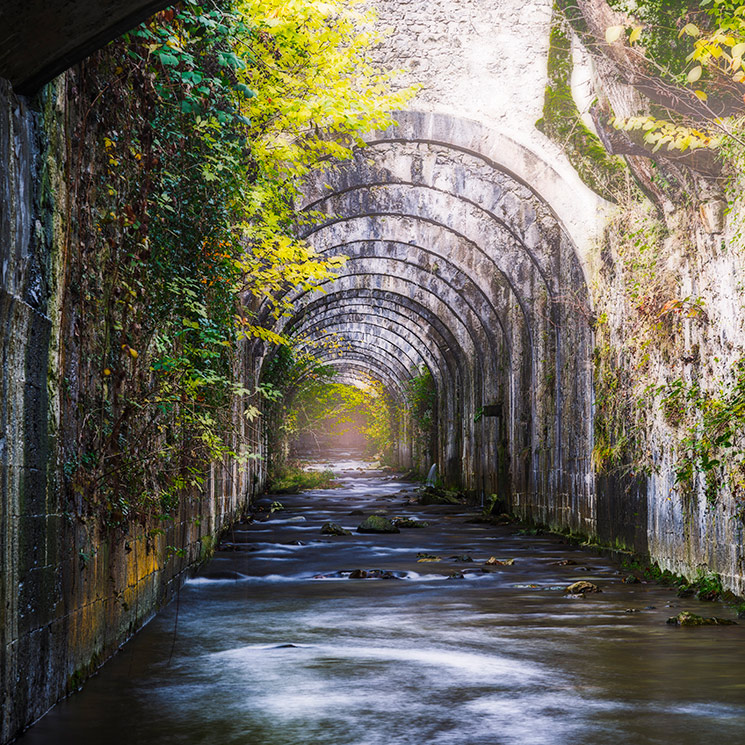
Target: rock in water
column 431, row 495
column 581, row 587
column 691, row 619
column 377, row 524
column 494, row 561
column 334, row 529
column 406, row 522
column 372, row 574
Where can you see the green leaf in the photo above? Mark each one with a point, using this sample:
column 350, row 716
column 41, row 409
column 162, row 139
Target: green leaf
column 167, row 58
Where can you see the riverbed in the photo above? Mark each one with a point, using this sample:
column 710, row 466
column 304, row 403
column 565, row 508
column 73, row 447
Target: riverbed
column 273, row 644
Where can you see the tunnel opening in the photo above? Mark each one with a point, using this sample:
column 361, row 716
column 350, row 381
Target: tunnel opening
column 325, row 401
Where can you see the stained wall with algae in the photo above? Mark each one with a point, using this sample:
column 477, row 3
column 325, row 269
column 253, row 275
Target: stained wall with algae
column 71, row 591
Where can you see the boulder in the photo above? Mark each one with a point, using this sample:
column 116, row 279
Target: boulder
column 377, row 524
column 407, row 522
column 582, row 587
column 334, row 529
column 685, row 618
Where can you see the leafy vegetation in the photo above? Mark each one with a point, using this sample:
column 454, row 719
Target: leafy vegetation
column 421, row 405
column 697, row 47
column 705, row 585
column 712, row 446
column 208, row 117
column 293, row 478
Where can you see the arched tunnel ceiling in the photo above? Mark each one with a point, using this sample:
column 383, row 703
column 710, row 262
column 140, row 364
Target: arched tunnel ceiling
column 41, row 38
column 466, row 257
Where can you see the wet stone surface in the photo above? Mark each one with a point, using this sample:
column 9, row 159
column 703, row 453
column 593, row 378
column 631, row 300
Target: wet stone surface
column 456, row 633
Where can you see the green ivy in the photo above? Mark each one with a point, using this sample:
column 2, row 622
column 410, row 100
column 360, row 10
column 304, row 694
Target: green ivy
column 187, row 224
column 712, row 447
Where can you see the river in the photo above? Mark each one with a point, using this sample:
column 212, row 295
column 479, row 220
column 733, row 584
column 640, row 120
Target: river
column 270, row 646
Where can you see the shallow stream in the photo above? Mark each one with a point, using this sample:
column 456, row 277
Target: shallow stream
column 270, row 646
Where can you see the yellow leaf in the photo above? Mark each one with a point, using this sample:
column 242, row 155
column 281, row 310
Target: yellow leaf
column 133, row 353
column 635, row 35
column 690, row 29
column 700, row 95
column 695, row 74
column 106, row 371
column 739, row 77
column 613, row 33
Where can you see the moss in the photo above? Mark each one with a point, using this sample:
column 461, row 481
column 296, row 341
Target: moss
column 562, row 122
column 80, row 675
column 293, row 479
column 207, row 548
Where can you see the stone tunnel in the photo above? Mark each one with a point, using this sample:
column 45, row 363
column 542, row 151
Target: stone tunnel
column 474, row 251
column 458, row 263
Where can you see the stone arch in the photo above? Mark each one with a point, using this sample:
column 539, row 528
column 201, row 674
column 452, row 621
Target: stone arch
column 489, row 239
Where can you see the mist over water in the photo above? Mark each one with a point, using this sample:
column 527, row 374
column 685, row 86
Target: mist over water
column 271, row 645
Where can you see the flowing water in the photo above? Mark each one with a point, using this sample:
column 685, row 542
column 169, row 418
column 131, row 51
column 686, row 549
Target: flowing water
column 273, row 644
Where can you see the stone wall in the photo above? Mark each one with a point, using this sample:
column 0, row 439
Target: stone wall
column 70, row 592
column 676, row 343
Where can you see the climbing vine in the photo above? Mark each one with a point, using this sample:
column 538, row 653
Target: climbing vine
column 421, row 407
column 207, row 116
column 712, row 447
